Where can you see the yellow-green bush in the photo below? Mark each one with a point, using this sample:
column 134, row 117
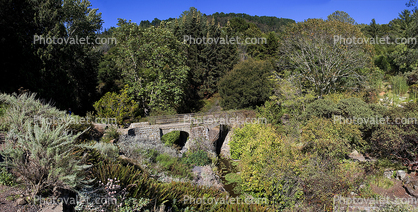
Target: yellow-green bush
column 322, row 137
column 269, row 164
column 119, row 106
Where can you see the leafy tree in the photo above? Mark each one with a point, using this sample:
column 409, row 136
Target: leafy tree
column 341, row 16
column 272, row 45
column 272, row 111
column 404, row 58
column 65, row 73
column 403, row 25
column 373, row 29
column 152, row 64
column 247, row 85
column 109, row 75
column 119, row 106
column 311, row 54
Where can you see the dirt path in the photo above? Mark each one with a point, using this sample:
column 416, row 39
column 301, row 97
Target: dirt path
column 8, row 197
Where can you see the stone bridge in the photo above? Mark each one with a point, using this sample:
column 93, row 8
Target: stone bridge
column 205, row 127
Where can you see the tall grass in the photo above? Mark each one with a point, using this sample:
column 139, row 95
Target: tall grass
column 399, row 85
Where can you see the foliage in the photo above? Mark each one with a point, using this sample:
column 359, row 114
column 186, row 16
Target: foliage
column 341, row 16
column 323, row 108
column 152, row 65
column 65, row 73
column 26, row 108
column 356, row 108
column 118, row 106
column 132, row 204
column 324, row 177
column 247, row 85
column 399, row 85
column 197, row 158
column 44, row 156
column 323, row 138
column 272, row 111
column 108, row 75
column 308, row 51
column 291, row 96
column 111, row 134
column 6, row 178
column 398, row 136
column 109, row 150
column 171, row 138
column 404, row 58
column 269, row 164
column 173, row 165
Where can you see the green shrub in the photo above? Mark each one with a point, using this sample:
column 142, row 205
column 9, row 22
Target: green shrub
column 272, row 111
column 321, row 108
column 45, row 156
column 198, row 158
column 356, row 108
column 171, row 138
column 119, row 106
column 6, row 178
column 173, row 165
column 132, row 204
column 323, row 138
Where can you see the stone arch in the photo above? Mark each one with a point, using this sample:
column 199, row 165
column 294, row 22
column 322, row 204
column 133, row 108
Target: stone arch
column 184, row 136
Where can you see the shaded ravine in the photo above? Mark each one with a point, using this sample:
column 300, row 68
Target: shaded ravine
column 225, row 167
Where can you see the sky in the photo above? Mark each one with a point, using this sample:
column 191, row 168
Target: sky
column 362, row 11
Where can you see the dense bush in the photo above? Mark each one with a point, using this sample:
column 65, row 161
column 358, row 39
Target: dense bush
column 118, row 106
column 271, row 111
column 173, row 166
column 25, row 108
column 321, row 108
column 356, row 108
column 323, row 138
column 269, row 165
column 324, row 177
column 45, row 154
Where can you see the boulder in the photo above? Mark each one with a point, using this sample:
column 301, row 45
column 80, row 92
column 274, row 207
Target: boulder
column 400, row 174
column 388, row 174
column 21, row 201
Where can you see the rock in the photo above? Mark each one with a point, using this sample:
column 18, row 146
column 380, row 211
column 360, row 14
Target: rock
column 356, row 156
column 400, row 174
column 21, row 201
column 388, row 174
column 226, row 149
column 139, row 124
